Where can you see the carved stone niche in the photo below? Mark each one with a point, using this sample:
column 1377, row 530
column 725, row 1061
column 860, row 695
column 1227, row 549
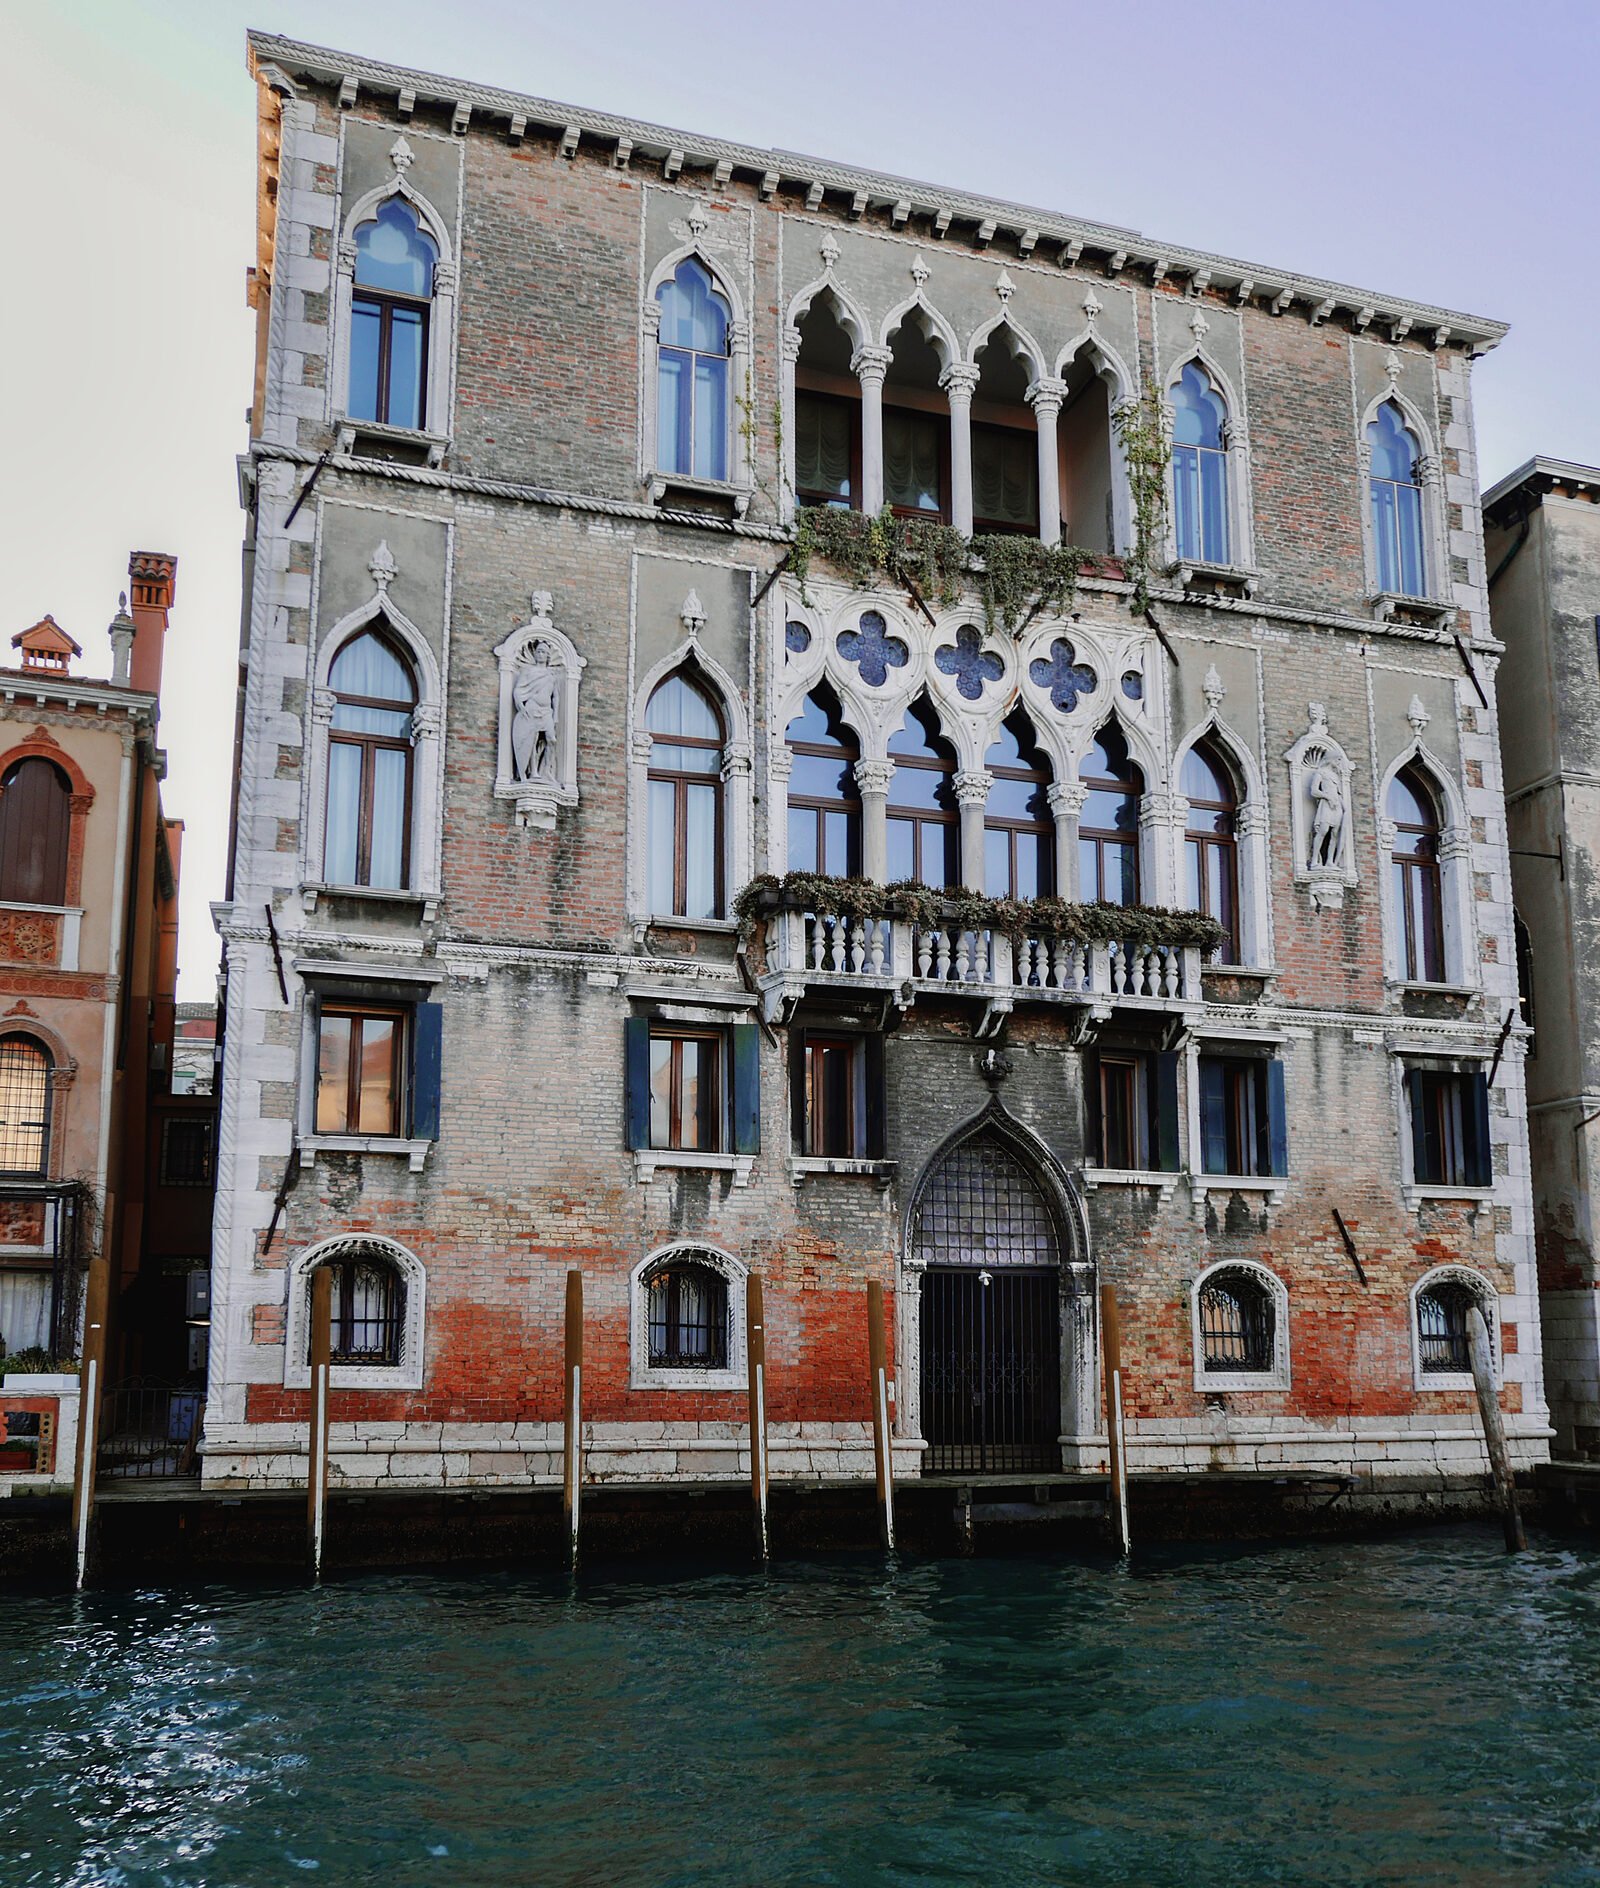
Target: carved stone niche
column 537, row 760
column 1320, row 775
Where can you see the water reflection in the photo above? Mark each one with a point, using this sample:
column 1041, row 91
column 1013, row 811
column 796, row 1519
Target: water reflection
column 1410, row 1711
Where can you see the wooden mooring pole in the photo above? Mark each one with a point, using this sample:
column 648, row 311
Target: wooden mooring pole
column 1494, row 1430
column 1111, row 1348
column 878, row 1350
column 756, row 1356
column 321, row 1377
column 91, row 1388
column 572, row 1423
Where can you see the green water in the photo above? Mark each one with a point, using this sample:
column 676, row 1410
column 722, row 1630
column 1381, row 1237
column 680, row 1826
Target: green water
column 1420, row 1710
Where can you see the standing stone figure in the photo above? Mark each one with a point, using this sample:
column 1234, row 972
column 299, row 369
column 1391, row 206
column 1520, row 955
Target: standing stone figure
column 1327, row 818
column 533, row 722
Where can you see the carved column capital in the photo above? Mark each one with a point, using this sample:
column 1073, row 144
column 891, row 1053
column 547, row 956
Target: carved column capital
column 959, row 381
column 1066, row 798
column 426, row 721
column 322, row 705
column 870, row 364
column 782, row 763
column 789, row 341
column 1046, row 397
column 642, row 738
column 735, row 760
column 650, row 318
column 972, row 786
column 873, row 776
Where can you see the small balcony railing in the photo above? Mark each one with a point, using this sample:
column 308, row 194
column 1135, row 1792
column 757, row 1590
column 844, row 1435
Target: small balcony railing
column 810, row 943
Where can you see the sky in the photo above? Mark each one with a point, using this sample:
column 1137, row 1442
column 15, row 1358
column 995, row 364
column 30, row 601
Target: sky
column 1441, row 151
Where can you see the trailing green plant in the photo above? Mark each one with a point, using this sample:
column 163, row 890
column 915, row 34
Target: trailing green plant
column 33, row 1360
column 1144, row 927
column 1146, row 453
column 1016, row 577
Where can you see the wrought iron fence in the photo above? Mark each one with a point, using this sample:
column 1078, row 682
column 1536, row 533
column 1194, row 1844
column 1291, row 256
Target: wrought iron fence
column 150, row 1432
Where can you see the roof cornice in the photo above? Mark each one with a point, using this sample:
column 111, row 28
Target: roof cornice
column 859, row 190
column 1539, row 476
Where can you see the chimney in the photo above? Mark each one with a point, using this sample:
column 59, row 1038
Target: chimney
column 152, row 579
column 121, row 634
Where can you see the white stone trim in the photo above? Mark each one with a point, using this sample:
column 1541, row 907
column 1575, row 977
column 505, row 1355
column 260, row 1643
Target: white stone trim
column 1430, row 477
column 1278, row 1377
column 741, row 480
column 734, row 1273
column 1488, row 1303
column 1461, row 966
column 537, row 798
column 1236, row 444
column 407, row 1374
column 1250, row 833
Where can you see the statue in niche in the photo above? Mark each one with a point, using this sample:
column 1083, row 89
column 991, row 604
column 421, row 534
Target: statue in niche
column 535, row 694
column 1327, row 818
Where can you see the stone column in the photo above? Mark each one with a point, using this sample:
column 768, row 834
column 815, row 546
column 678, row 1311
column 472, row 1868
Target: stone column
column 959, row 382
column 780, row 767
column 972, row 796
column 869, row 366
column 1066, row 804
column 1045, row 397
column 789, row 355
column 872, row 779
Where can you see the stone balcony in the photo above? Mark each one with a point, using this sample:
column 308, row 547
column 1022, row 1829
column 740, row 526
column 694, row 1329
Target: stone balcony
column 813, row 949
column 43, row 937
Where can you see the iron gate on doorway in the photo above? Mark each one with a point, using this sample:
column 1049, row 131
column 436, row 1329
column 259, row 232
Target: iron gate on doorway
column 989, row 1246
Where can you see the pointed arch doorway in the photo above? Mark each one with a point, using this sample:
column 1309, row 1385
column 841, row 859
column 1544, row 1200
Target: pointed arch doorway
column 991, row 1246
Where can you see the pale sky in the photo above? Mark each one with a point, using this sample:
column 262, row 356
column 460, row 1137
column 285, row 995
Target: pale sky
column 1442, row 151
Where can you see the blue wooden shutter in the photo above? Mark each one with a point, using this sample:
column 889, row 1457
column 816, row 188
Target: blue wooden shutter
column 1213, row 1115
column 427, row 1054
column 1166, row 1111
column 746, row 1088
column 877, row 1100
column 1277, row 1120
column 636, row 1040
column 1475, row 1130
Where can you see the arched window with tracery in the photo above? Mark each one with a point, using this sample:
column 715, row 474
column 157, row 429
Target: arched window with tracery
column 824, row 800
column 1395, row 491
column 391, row 310
column 25, row 1069
column 35, row 827
column 686, row 1314
column 1444, row 1338
column 692, row 375
column 924, row 829
column 1211, row 843
column 685, row 808
column 1108, row 826
column 1199, row 468
column 368, row 1307
column 1414, row 876
column 368, row 834
column 1019, row 835
column 1237, row 1325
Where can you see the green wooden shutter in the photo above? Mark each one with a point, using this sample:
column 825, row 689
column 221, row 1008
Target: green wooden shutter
column 636, row 1050
column 746, row 1088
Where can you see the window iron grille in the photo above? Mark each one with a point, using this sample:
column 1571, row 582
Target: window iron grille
column 688, row 1316
column 1237, row 1324
column 1442, row 1335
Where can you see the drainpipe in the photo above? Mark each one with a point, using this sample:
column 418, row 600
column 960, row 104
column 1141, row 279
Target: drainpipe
column 1522, row 537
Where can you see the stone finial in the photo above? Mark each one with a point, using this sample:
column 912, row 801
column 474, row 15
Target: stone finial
column 541, row 604
column 401, row 156
column 1391, row 366
column 829, row 251
column 693, row 613
column 698, row 221
column 1319, row 718
column 383, row 567
column 919, row 268
column 1213, row 687
column 121, row 634
column 1199, row 327
column 1417, row 715
column 1005, row 288
column 1092, row 307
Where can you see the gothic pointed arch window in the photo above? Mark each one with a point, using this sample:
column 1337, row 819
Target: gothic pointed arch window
column 924, row 830
column 1413, row 810
column 391, row 312
column 1199, row 468
column 685, row 803
column 35, row 827
column 1019, row 834
column 1108, row 826
column 824, row 800
column 1211, row 841
column 692, row 374
column 368, row 832
column 1395, row 495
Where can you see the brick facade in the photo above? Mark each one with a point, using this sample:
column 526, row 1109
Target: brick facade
column 536, row 939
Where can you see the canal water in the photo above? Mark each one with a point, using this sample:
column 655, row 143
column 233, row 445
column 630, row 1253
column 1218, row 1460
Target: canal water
column 1406, row 1711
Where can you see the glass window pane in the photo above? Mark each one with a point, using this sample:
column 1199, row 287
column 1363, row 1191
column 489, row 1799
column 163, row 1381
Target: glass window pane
column 661, row 1091
column 710, row 417
column 369, row 665
column 1186, row 502
column 803, row 825
column 366, row 322
column 841, row 853
column 333, row 1074
column 394, row 253
column 344, row 813
column 377, row 1096
column 700, row 852
column 678, row 707
column 24, row 1109
column 1384, row 545
column 1408, row 517
column 694, row 1096
column 693, row 314
column 406, row 337
column 902, row 861
column 997, row 864
column 391, row 768
column 674, row 413
column 663, row 844
column 1214, row 506
column 822, row 447
column 911, row 456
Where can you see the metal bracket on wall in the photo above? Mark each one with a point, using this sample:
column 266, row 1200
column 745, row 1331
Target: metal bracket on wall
column 1349, row 1244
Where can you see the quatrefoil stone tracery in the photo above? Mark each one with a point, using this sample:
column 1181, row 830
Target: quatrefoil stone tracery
column 873, row 650
column 1063, row 675
column 969, row 662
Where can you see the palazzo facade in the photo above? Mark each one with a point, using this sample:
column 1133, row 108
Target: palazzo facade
column 583, row 724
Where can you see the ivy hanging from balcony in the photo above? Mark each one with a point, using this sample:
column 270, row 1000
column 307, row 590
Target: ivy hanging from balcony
column 1142, row 927
column 1016, row 577
column 1146, row 451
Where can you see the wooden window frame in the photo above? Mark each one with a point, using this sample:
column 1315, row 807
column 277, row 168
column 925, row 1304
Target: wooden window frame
column 1042, row 832
column 342, row 1320
column 714, row 1110
column 387, row 304
column 1418, row 866
column 358, row 1013
column 1246, row 1127
column 1200, row 842
column 670, row 1357
column 680, row 782
column 1128, row 1069
column 815, row 803
column 941, row 515
column 369, row 744
column 45, row 1125
column 805, row 495
column 818, row 1121
column 1001, row 527
column 918, row 817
